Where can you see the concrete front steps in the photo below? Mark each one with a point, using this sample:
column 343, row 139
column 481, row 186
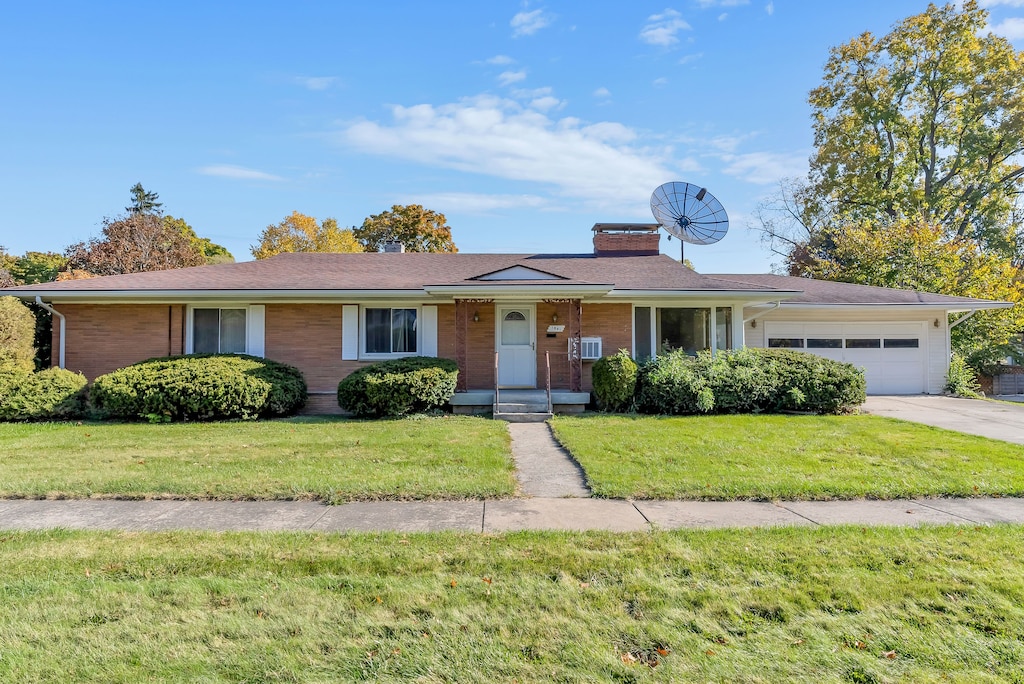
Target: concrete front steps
column 519, row 406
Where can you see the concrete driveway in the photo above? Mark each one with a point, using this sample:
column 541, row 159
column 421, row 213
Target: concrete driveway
column 973, row 416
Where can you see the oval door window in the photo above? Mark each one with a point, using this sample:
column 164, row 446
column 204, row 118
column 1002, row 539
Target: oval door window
column 515, row 328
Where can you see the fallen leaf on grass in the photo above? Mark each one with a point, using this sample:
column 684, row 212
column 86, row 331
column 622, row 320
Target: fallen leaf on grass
column 796, row 642
column 891, row 655
column 709, row 652
column 662, row 651
column 628, row 658
column 487, row 580
column 454, row 583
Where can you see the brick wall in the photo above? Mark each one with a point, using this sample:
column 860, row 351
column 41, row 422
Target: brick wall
column 479, row 347
column 104, row 337
column 613, row 323
column 308, row 336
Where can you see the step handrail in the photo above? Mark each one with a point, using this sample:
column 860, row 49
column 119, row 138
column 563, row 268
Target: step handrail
column 497, row 402
column 547, row 386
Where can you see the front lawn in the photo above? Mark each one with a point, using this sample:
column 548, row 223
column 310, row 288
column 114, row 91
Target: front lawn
column 302, row 458
column 785, row 457
column 792, row 605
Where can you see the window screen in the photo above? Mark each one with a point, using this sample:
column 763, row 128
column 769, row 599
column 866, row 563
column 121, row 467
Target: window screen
column 901, row 343
column 824, row 343
column 642, row 332
column 863, row 343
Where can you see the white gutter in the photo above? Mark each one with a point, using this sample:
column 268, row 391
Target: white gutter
column 63, row 327
column 761, row 313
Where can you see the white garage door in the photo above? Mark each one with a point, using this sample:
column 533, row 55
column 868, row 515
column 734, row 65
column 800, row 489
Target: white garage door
column 893, row 355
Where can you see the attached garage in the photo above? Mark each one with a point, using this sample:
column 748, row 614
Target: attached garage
column 894, row 356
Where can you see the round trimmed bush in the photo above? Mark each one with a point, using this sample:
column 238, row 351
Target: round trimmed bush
column 394, row 388
column 614, row 379
column 50, row 394
column 201, row 387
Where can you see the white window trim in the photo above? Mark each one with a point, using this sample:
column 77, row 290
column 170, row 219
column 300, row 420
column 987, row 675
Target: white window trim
column 366, row 356
column 190, row 324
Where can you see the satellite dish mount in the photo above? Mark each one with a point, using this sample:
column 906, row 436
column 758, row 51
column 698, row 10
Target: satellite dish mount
column 690, row 213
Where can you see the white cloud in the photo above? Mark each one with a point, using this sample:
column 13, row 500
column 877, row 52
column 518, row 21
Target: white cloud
column 545, row 103
column 509, row 77
column 661, row 29
column 474, row 203
column 316, row 82
column 236, row 172
column 1011, row 28
column 499, row 60
column 601, row 163
column 763, row 168
column 723, row 16
column 660, row 82
column 1008, row 3
column 686, row 59
column 602, row 92
column 705, row 4
column 770, row 8
column 528, row 23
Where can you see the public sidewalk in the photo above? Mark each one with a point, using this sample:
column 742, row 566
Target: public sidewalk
column 495, row 515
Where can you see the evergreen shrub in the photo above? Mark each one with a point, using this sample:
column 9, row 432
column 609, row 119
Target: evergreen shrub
column 200, row 387
column 614, row 379
column 748, row 381
column 399, row 386
column 51, row 394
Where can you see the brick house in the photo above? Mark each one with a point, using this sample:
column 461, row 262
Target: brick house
column 514, row 315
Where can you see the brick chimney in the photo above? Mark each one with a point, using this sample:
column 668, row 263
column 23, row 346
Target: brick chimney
column 626, row 239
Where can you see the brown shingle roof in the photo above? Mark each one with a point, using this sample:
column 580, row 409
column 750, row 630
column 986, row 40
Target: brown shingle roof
column 408, row 271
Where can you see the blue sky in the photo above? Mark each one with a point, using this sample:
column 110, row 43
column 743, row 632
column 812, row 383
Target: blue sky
column 524, row 122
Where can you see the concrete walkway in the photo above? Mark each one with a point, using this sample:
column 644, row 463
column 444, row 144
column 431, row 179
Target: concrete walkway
column 984, row 418
column 543, row 467
column 495, row 516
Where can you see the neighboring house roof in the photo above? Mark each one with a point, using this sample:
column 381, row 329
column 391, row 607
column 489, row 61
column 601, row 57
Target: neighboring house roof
column 829, row 293
column 302, row 275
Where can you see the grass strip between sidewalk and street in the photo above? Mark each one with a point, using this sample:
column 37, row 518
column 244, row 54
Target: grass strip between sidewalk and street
column 785, row 457
column 788, row 604
column 324, row 459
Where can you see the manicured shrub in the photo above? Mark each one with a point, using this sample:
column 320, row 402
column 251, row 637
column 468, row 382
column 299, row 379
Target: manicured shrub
column 614, row 380
column 394, row 388
column 47, row 395
column 17, row 330
column 748, row 381
column 200, row 387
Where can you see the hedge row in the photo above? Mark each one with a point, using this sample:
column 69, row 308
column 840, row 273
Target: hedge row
column 394, row 388
column 200, row 387
column 53, row 394
column 736, row 381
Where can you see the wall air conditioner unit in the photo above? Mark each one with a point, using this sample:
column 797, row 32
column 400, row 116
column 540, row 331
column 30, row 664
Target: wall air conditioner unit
column 590, row 348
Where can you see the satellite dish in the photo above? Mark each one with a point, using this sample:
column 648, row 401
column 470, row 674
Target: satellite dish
column 690, row 213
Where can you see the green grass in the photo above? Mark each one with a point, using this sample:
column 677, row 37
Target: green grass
column 785, row 457
column 325, row 459
column 794, row 605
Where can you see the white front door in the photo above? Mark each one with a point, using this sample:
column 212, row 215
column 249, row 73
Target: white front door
column 517, row 358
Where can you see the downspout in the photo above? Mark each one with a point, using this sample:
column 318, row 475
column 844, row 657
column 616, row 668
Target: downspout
column 63, row 327
column 963, row 318
column 762, row 313
column 949, row 330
